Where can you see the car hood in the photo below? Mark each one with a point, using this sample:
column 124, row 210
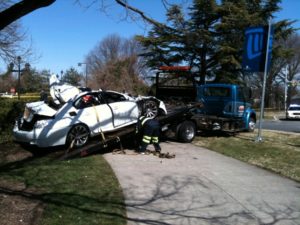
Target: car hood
column 37, row 108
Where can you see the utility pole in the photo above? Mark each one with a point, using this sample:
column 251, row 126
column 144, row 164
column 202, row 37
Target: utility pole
column 285, row 89
column 80, row 64
column 19, row 70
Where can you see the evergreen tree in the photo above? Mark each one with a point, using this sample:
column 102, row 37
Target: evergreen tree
column 35, row 81
column 72, row 76
column 204, row 15
column 184, row 40
column 211, row 36
column 236, row 16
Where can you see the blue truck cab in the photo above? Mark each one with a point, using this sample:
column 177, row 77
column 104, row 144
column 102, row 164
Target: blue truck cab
column 227, row 101
column 214, row 106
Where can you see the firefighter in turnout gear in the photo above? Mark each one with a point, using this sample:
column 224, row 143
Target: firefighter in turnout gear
column 148, row 130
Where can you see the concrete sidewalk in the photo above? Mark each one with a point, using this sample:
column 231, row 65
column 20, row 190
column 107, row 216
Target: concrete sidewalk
column 199, row 186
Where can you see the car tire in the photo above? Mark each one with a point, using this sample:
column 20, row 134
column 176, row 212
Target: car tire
column 251, row 125
column 186, row 131
column 150, row 108
column 78, row 136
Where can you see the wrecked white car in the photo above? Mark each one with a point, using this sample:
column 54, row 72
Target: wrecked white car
column 80, row 115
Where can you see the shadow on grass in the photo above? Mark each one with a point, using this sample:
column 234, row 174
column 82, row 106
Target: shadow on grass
column 23, row 154
column 216, row 133
column 28, row 178
column 70, row 200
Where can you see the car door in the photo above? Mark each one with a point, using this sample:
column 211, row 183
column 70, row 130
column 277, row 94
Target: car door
column 96, row 115
column 124, row 111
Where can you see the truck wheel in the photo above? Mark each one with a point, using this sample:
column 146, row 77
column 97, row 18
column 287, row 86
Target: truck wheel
column 186, row 132
column 78, row 136
column 251, row 125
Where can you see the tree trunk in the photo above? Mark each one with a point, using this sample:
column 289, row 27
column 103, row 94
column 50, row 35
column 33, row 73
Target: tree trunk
column 203, row 64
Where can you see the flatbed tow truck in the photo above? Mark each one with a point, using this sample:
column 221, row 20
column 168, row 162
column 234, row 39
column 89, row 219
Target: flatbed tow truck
column 181, row 125
column 178, row 117
column 208, row 107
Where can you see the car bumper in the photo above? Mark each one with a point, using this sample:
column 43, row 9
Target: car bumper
column 28, row 137
column 293, row 116
column 40, row 137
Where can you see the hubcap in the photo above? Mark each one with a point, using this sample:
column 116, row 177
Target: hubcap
column 189, row 133
column 78, row 135
column 151, row 109
column 251, row 125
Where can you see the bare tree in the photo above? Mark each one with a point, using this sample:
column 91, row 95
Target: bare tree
column 285, row 67
column 114, row 64
column 291, row 67
column 6, row 82
column 12, row 43
column 11, row 11
column 12, row 39
column 130, row 12
column 17, row 10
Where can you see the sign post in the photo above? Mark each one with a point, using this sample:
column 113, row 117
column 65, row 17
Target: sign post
column 257, row 58
column 262, row 105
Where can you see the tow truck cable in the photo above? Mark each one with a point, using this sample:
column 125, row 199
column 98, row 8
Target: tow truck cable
column 98, row 121
column 69, row 148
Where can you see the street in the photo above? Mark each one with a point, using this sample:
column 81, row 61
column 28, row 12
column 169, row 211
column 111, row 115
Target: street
column 281, row 125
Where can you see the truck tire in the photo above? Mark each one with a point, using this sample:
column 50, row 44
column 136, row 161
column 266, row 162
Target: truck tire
column 186, row 132
column 251, row 125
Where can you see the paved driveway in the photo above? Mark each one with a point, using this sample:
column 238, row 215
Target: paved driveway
column 199, row 187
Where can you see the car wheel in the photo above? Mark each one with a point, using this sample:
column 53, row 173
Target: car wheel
column 78, row 136
column 186, row 132
column 251, row 125
column 150, row 108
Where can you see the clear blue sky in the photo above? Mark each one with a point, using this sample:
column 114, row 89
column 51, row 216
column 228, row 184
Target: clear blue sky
column 64, row 33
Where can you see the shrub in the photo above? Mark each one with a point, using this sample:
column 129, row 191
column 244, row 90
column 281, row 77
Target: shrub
column 10, row 109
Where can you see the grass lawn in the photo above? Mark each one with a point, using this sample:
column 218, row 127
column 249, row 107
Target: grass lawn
column 278, row 152
column 79, row 191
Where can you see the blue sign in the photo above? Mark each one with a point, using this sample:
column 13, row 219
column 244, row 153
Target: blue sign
column 255, row 45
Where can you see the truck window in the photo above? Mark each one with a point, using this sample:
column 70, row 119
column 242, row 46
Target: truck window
column 217, row 92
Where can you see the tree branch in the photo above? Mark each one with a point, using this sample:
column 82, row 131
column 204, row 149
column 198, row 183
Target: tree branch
column 141, row 13
column 20, row 9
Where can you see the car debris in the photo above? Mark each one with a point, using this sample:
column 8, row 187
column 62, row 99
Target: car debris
column 166, row 155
